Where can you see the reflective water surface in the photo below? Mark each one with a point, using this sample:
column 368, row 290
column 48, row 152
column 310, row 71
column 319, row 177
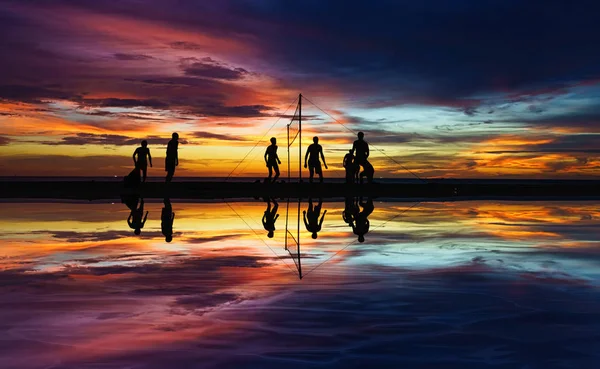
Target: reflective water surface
column 354, row 283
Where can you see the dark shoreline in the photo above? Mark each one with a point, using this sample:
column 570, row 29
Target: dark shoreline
column 439, row 189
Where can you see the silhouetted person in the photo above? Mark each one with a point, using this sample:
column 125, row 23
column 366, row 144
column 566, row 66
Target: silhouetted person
column 270, row 217
column 311, row 217
column 314, row 165
column 143, row 158
column 172, row 159
column 350, row 210
column 350, row 167
column 136, row 219
column 272, row 159
column 361, row 221
column 361, row 150
column 166, row 220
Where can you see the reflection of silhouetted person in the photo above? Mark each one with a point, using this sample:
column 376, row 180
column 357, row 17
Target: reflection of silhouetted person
column 271, row 159
column 361, row 221
column 350, row 167
column 172, row 159
column 166, row 220
column 136, row 219
column 311, row 217
column 361, row 147
column 314, row 165
column 270, row 217
column 143, row 157
column 350, row 210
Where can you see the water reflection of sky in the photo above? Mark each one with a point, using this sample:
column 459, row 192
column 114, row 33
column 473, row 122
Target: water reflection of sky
column 463, row 284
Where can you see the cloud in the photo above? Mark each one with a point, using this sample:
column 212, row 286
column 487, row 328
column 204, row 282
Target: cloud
column 185, row 45
column 217, row 136
column 125, row 103
column 209, row 68
column 575, row 143
column 219, row 110
column 122, row 56
column 109, row 139
column 26, row 93
column 4, row 141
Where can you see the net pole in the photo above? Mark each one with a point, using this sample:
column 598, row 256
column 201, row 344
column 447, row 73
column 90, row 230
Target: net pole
column 300, row 137
column 289, row 174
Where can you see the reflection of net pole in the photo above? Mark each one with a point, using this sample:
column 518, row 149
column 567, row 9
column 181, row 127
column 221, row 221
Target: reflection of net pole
column 298, row 242
column 287, row 217
column 300, row 136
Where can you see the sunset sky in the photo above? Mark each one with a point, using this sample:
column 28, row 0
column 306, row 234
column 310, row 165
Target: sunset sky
column 473, row 89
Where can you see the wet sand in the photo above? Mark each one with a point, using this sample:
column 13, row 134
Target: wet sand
column 96, row 190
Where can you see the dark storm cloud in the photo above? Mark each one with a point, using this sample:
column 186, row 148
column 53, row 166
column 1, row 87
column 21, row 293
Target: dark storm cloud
column 122, row 56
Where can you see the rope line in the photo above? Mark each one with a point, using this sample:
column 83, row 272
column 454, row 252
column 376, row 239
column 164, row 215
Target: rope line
column 260, row 140
column 373, row 146
column 355, row 241
column 260, row 238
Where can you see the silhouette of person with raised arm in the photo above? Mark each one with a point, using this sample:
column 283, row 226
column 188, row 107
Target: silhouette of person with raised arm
column 272, row 159
column 136, row 219
column 361, row 224
column 270, row 217
column 166, row 220
column 172, row 159
column 314, row 165
column 143, row 158
column 350, row 167
column 311, row 217
column 361, row 148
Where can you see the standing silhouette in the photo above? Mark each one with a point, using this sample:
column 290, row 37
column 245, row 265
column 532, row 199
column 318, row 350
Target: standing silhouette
column 172, row 159
column 350, row 167
column 361, row 224
column 136, row 219
column 166, row 220
column 143, row 158
column 312, row 154
column 361, row 147
column 311, row 217
column 270, row 217
column 272, row 159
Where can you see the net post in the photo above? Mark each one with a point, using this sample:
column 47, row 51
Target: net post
column 288, row 129
column 300, row 137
